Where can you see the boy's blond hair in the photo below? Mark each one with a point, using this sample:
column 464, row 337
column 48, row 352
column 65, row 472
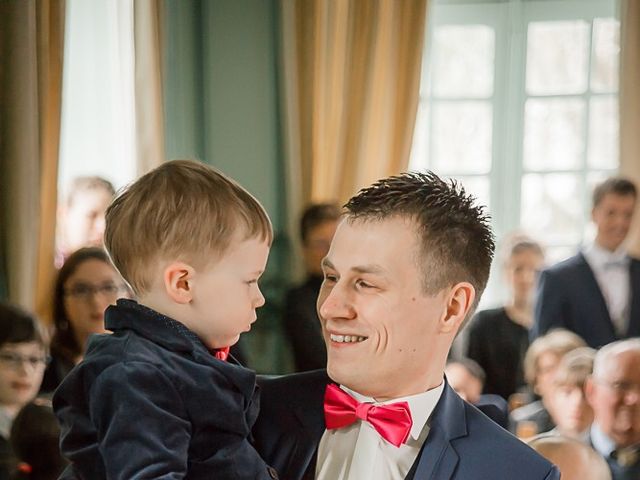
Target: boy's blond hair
column 182, row 210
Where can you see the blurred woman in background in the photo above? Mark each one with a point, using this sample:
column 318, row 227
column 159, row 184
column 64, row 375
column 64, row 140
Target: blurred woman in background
column 498, row 338
column 86, row 285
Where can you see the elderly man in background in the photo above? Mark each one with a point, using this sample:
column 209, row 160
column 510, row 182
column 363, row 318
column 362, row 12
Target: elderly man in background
column 614, row 393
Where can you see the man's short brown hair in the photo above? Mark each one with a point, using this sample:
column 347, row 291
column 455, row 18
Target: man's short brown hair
column 616, row 185
column 182, row 210
column 456, row 242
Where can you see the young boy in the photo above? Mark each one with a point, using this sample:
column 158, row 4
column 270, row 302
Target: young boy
column 156, row 399
column 23, row 358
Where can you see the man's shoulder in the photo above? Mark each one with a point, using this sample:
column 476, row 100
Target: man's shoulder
column 568, row 266
column 512, row 457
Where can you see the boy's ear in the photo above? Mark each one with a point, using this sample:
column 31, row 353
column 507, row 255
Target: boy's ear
column 178, row 282
column 458, row 303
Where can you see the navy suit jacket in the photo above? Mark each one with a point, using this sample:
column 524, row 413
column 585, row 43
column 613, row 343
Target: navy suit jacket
column 569, row 297
column 462, row 444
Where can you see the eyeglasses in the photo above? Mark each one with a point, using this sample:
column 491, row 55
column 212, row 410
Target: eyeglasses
column 622, row 388
column 15, row 360
column 86, row 291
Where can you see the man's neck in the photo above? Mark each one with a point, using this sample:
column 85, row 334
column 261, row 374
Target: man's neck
column 611, row 248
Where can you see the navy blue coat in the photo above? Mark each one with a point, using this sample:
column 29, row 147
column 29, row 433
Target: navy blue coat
column 150, row 401
column 463, row 443
column 568, row 296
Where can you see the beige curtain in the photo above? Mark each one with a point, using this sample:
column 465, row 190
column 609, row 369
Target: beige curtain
column 147, row 21
column 350, row 78
column 31, row 46
column 351, row 74
column 630, row 101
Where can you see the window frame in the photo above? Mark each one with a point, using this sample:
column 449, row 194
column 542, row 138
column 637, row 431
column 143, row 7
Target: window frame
column 510, row 22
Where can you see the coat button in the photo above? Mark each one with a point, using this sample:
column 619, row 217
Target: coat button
column 273, row 473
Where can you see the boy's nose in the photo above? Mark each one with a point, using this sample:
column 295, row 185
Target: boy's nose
column 259, row 302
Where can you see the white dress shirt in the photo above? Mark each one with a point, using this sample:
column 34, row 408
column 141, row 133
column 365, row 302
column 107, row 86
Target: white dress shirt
column 611, row 270
column 358, row 452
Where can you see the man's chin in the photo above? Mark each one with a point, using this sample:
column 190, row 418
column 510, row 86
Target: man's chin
column 341, row 373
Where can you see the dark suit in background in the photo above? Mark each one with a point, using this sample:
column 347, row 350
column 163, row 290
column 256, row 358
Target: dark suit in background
column 569, row 297
column 302, row 327
column 462, row 444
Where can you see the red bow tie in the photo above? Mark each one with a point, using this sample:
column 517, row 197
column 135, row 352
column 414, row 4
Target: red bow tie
column 221, row 353
column 393, row 421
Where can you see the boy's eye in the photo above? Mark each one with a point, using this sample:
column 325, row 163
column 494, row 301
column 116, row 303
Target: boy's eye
column 328, row 277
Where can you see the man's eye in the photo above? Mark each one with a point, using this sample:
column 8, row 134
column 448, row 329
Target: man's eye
column 363, row 284
column 330, row 278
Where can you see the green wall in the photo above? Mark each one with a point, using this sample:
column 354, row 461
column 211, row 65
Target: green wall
column 221, row 106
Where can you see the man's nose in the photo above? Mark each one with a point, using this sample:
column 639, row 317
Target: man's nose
column 336, row 304
column 632, row 395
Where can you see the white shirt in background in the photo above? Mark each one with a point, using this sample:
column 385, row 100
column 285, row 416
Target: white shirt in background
column 611, row 270
column 358, row 451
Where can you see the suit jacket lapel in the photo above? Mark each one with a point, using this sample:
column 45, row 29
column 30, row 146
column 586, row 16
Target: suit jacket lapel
column 438, row 458
column 633, row 329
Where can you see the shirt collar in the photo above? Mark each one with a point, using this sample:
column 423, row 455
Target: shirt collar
column 421, row 405
column 599, row 256
column 601, row 442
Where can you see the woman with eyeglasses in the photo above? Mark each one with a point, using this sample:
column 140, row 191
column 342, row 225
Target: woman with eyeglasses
column 23, row 358
column 86, row 285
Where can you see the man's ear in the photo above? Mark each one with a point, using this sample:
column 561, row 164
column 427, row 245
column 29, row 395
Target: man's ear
column 589, row 389
column 178, row 282
column 459, row 301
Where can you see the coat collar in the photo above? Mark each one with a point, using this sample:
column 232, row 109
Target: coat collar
column 437, row 458
column 176, row 337
column 152, row 325
column 448, row 422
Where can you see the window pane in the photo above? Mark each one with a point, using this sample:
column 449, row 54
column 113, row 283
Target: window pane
column 553, row 134
column 420, row 148
column 461, row 137
column 462, row 52
column 552, row 207
column 603, row 132
column 557, row 57
column 606, row 49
